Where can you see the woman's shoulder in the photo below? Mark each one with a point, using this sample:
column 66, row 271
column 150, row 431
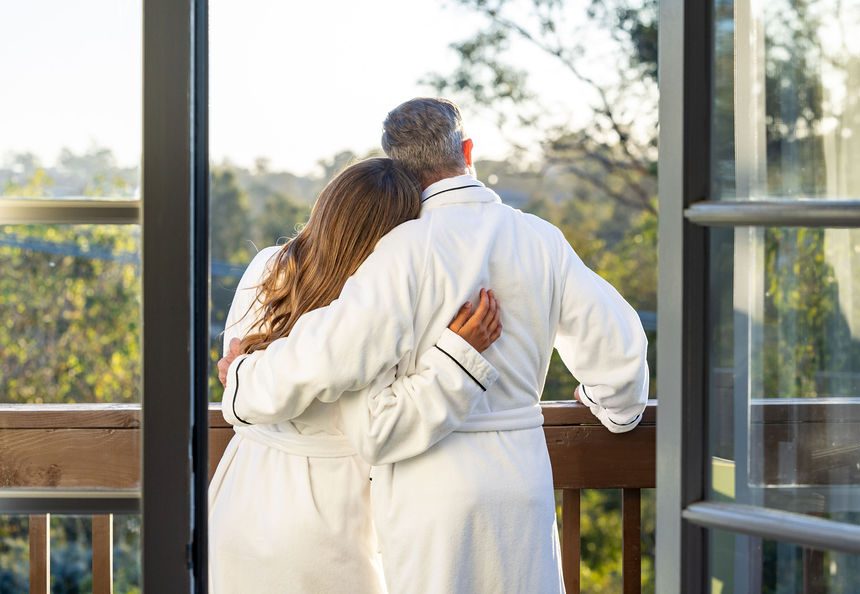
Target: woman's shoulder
column 259, row 266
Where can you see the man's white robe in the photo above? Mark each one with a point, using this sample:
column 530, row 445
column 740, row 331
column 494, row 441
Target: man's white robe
column 289, row 504
column 475, row 512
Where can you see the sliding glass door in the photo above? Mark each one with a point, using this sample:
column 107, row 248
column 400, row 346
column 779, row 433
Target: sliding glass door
column 766, row 208
column 103, row 295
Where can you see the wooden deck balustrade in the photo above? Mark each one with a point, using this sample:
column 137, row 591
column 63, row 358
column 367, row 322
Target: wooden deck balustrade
column 98, row 447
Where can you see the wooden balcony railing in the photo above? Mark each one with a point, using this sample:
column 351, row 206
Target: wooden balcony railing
column 72, row 447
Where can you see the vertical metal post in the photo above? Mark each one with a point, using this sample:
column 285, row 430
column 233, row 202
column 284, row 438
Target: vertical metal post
column 684, row 177
column 173, row 113
column 200, row 290
column 748, row 299
column 750, row 183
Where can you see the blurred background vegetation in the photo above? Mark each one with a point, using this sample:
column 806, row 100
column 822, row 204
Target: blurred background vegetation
column 70, row 295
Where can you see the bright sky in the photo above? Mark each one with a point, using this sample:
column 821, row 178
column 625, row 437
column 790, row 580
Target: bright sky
column 294, row 85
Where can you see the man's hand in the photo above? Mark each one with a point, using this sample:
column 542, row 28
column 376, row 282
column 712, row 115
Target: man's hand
column 224, row 363
column 577, row 396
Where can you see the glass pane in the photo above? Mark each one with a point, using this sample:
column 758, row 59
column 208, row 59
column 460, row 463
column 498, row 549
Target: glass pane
column 784, row 370
column 71, row 553
column 70, row 311
column 567, row 135
column 71, row 116
column 743, row 564
column 14, row 554
column 786, row 115
column 544, row 140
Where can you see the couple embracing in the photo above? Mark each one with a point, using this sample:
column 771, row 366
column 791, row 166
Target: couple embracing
column 383, row 371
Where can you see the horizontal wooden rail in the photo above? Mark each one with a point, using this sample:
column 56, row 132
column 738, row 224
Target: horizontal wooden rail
column 98, row 446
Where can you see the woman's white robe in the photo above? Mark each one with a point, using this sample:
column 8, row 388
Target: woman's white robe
column 474, row 513
column 289, row 504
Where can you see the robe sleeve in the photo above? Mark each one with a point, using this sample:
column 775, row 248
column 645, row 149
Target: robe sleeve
column 418, row 410
column 601, row 341
column 339, row 348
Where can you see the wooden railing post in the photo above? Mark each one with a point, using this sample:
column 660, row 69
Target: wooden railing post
column 103, row 554
column 631, row 522
column 40, row 553
column 570, row 541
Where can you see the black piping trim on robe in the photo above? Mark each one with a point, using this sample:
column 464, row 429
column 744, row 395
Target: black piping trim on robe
column 448, row 190
column 236, row 392
column 584, row 393
column 636, row 418
column 461, row 367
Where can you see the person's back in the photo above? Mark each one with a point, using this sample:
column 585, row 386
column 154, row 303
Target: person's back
column 468, row 239
column 487, row 244
column 483, row 495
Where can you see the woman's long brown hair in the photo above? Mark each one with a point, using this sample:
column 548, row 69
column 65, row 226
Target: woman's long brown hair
column 363, row 203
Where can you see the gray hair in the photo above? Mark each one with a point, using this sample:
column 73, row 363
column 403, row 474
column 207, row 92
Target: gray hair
column 425, row 135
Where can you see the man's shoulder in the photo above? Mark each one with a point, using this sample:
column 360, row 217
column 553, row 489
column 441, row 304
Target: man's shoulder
column 412, row 238
column 538, row 223
column 542, row 228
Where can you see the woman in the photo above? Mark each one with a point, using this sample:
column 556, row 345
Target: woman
column 289, row 505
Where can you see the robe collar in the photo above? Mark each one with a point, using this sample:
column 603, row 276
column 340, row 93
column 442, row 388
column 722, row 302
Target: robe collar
column 456, row 190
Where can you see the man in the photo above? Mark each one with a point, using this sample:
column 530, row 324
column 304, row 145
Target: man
column 475, row 511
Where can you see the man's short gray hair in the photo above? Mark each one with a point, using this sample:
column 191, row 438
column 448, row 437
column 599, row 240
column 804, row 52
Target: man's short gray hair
column 426, row 136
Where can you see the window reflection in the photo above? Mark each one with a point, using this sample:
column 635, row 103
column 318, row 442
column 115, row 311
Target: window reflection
column 786, row 120
column 741, row 563
column 785, row 369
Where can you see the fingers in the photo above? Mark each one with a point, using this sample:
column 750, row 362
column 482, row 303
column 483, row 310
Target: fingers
column 226, row 360
column 494, row 336
column 493, row 316
column 475, row 323
column 486, row 327
column 223, row 366
column 480, row 326
column 461, row 318
column 494, row 324
column 483, row 308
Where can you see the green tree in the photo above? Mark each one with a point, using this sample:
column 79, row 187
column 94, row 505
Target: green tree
column 280, row 219
column 237, row 233
column 70, row 301
column 229, row 218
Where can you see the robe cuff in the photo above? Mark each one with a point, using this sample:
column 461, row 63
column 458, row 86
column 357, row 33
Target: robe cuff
column 611, row 421
column 467, row 358
column 231, row 392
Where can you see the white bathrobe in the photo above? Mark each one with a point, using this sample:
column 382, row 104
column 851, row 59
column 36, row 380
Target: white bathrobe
column 475, row 512
column 289, row 505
